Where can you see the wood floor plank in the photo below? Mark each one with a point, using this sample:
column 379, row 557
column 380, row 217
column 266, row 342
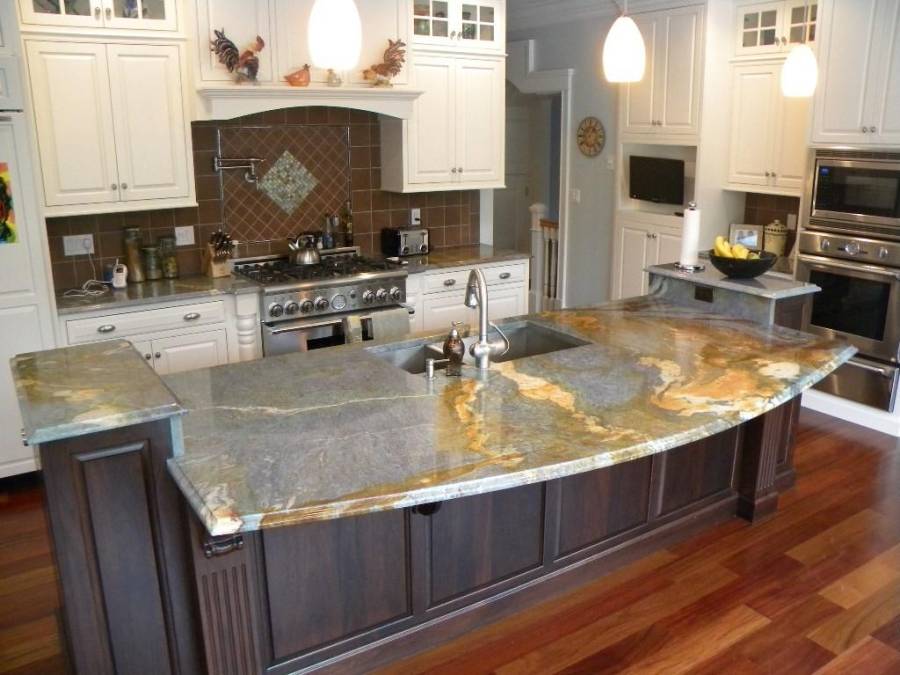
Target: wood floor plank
column 868, row 657
column 853, row 625
column 865, row 580
column 889, row 633
column 28, row 643
column 859, row 526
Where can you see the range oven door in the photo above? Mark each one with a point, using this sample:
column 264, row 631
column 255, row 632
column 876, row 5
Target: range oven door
column 860, row 304
column 865, row 192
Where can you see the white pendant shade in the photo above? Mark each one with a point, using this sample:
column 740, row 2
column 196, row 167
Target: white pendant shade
column 800, row 73
column 624, row 55
column 334, row 34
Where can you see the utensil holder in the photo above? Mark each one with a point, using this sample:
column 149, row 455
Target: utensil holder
column 213, row 268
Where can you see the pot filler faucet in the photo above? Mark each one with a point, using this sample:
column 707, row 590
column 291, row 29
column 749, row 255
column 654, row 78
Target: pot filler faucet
column 483, row 349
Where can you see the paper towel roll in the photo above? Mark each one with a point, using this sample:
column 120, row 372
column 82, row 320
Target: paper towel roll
column 690, row 238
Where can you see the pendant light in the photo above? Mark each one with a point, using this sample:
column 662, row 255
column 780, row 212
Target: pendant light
column 334, row 35
column 624, row 55
column 800, row 72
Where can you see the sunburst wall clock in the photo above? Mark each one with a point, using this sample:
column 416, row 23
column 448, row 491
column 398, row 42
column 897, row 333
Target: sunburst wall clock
column 591, row 136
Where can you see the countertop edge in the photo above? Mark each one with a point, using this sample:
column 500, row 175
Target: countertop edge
column 405, row 499
column 801, row 288
column 118, row 305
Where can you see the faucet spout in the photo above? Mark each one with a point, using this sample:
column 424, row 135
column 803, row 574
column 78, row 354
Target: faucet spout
column 484, row 348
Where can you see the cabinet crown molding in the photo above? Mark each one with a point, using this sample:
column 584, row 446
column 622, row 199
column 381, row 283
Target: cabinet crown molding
column 228, row 101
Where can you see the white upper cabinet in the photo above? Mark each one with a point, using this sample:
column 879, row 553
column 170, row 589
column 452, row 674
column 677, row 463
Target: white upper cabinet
column 774, row 27
column 667, row 101
column 242, row 21
column 455, row 137
column 768, row 132
column 112, row 14
column 454, row 24
column 111, row 125
column 857, row 101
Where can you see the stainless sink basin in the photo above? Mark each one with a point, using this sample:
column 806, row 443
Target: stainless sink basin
column 525, row 339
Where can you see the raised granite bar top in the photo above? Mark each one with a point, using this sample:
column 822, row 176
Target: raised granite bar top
column 773, row 286
column 151, row 292
column 79, row 390
column 460, row 256
column 340, row 432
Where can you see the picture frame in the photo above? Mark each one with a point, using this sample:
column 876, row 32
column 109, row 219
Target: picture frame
column 750, row 236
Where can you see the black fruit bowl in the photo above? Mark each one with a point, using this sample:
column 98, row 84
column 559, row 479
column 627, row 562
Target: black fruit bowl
column 737, row 268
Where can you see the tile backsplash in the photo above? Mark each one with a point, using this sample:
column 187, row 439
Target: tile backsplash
column 315, row 159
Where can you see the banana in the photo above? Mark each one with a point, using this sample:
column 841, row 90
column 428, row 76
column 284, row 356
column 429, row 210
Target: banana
column 722, row 248
column 740, row 251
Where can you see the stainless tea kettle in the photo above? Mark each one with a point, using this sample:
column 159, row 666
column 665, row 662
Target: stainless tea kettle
column 303, row 250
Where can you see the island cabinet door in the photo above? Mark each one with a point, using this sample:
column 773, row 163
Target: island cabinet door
column 119, row 538
column 474, row 543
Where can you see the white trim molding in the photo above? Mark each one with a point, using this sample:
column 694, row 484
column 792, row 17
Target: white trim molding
column 863, row 415
column 228, row 101
column 520, row 70
column 525, row 14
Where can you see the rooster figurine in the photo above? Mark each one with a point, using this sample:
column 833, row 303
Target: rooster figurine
column 380, row 74
column 244, row 65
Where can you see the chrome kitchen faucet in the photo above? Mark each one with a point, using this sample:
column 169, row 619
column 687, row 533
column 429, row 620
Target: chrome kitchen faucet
column 477, row 296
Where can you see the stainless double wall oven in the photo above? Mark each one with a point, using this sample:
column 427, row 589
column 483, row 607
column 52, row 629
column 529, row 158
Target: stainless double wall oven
column 850, row 248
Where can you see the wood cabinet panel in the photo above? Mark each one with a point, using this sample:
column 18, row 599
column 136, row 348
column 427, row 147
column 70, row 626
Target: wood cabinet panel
column 697, row 470
column 598, row 505
column 336, row 578
column 479, row 540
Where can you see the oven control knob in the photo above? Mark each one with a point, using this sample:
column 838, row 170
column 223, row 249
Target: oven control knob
column 306, row 306
column 404, row 250
column 339, row 302
column 423, row 248
column 368, row 297
column 396, row 294
column 276, row 310
column 381, row 295
column 883, row 252
column 291, row 308
column 825, row 244
column 321, row 304
column 852, row 248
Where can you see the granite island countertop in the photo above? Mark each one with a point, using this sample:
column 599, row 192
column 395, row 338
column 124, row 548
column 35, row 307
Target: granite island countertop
column 80, row 390
column 772, row 285
column 151, row 292
column 340, row 432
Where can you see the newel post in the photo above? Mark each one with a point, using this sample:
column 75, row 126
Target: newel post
column 538, row 255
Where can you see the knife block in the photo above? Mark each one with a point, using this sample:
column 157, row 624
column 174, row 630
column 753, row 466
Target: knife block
column 213, row 268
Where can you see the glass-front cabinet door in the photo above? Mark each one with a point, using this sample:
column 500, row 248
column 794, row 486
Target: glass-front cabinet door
column 122, row 14
column 62, row 12
column 471, row 26
column 800, row 22
column 773, row 27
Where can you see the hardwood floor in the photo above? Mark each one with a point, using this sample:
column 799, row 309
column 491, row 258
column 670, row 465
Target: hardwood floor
column 816, row 589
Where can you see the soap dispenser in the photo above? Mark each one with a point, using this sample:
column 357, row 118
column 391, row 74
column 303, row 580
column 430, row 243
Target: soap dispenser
column 454, row 351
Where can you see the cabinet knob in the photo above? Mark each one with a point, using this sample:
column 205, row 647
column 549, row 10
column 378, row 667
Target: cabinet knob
column 97, row 12
column 865, row 130
column 113, row 186
column 148, row 356
column 192, row 316
column 460, row 169
column 505, row 275
column 872, row 130
column 453, row 170
column 767, row 174
column 157, row 355
column 774, row 174
column 106, row 328
column 124, row 186
column 452, row 34
column 109, row 12
column 783, row 40
column 449, row 282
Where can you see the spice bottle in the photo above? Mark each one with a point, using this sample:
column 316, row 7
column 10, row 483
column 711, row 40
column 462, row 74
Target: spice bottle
column 133, row 255
column 152, row 268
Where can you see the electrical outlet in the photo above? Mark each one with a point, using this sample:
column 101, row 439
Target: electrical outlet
column 610, row 164
column 184, row 235
column 415, row 216
column 78, row 244
column 576, row 195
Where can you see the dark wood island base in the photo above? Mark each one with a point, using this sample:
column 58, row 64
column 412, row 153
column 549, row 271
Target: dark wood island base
column 147, row 590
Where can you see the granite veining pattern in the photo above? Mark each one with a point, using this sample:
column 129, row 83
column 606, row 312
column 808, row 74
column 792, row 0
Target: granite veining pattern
column 770, row 286
column 151, row 292
column 460, row 256
column 80, row 390
column 306, row 437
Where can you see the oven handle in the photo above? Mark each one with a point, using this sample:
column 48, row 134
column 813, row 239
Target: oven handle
column 872, row 369
column 298, row 325
column 829, row 262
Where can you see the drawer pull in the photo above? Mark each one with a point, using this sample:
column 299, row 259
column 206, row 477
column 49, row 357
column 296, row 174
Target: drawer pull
column 157, row 355
column 106, row 328
column 449, row 282
column 148, row 356
column 192, row 316
column 505, row 275
column 216, row 547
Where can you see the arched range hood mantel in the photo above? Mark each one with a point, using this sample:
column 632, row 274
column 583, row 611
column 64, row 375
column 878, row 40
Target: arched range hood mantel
column 228, row 101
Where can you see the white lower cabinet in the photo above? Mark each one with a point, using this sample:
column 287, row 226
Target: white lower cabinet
column 444, row 293
column 187, row 352
column 637, row 245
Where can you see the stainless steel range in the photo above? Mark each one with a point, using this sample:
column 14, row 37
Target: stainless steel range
column 850, row 248
column 306, row 307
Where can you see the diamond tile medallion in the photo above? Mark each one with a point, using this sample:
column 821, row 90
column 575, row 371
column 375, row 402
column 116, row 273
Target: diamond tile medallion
column 304, row 175
column 288, row 182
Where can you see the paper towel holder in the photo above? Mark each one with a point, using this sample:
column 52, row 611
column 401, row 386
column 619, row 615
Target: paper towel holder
column 692, row 206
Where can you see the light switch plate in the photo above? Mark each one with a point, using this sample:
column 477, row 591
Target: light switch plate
column 415, row 216
column 576, row 195
column 184, row 235
column 78, row 244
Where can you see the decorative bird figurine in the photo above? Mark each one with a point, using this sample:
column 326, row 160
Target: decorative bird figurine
column 299, row 78
column 244, row 65
column 380, row 74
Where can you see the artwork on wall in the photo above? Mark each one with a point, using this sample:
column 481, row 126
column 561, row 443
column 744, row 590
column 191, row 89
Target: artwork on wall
column 7, row 216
